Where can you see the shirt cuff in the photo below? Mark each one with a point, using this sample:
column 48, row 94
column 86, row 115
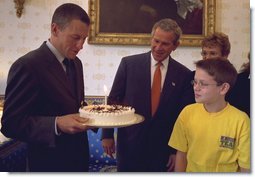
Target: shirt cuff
column 56, row 128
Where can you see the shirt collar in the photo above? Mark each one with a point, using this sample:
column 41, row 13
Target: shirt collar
column 53, row 49
column 164, row 62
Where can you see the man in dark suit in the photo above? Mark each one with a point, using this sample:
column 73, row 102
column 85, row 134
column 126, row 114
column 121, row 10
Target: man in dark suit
column 143, row 147
column 40, row 105
column 240, row 95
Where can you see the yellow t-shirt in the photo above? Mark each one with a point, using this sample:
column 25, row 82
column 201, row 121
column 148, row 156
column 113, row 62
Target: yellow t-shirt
column 214, row 142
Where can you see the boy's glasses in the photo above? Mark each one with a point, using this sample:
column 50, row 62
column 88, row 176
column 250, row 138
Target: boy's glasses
column 201, row 84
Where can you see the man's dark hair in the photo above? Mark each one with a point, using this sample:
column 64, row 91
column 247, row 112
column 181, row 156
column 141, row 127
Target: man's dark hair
column 67, row 12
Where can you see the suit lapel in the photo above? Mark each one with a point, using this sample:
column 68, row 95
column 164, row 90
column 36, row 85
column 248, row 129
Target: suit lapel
column 169, row 84
column 145, row 69
column 56, row 70
column 79, row 79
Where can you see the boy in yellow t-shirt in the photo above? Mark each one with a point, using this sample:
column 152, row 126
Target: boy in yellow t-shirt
column 211, row 135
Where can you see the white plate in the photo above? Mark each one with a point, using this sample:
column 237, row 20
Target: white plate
column 137, row 119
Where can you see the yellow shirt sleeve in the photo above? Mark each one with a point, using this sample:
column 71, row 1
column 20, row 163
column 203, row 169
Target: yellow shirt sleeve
column 244, row 145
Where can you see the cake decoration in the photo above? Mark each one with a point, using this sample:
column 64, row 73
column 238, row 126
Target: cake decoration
column 108, row 114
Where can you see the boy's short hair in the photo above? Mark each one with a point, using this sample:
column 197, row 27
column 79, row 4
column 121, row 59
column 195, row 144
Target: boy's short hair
column 220, row 69
column 218, row 39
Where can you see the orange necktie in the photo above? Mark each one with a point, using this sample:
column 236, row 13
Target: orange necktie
column 156, row 89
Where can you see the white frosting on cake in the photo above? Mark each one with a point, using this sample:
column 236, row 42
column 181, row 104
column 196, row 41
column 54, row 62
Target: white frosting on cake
column 108, row 114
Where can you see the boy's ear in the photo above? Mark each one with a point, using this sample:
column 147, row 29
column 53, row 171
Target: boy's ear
column 224, row 88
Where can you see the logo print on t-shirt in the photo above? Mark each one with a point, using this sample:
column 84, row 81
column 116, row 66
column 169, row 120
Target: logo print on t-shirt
column 227, row 142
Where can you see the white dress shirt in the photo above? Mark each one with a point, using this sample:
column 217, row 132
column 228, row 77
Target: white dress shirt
column 163, row 69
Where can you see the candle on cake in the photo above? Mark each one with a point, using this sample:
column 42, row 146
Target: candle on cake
column 105, row 95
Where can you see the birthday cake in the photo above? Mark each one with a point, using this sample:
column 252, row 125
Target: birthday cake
column 108, row 114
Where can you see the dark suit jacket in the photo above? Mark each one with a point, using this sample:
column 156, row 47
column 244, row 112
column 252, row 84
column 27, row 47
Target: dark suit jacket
column 239, row 95
column 144, row 147
column 37, row 92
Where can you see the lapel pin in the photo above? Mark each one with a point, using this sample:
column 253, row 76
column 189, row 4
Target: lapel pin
column 173, row 84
